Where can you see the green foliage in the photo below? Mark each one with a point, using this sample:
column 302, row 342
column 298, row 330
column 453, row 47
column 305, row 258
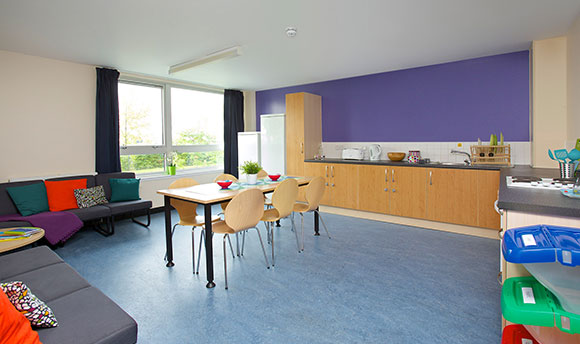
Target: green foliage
column 142, row 162
column 194, row 137
column 251, row 167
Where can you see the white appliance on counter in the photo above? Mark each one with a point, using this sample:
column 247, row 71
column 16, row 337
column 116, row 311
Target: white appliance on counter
column 375, row 152
column 248, row 147
column 273, row 144
column 353, row 154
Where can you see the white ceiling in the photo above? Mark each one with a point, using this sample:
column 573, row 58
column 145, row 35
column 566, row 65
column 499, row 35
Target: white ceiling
column 336, row 38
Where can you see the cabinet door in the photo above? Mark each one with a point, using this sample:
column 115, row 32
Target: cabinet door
column 315, row 169
column 373, row 193
column 487, row 193
column 344, row 185
column 407, row 191
column 295, row 134
column 452, row 196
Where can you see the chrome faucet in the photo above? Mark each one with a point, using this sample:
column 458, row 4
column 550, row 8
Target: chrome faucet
column 468, row 160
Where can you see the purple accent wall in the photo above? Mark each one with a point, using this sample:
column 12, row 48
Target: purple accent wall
column 456, row 101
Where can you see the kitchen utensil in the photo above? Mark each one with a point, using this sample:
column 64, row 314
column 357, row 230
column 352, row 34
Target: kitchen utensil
column 396, row 156
column 375, row 152
column 567, row 169
column 224, row 183
column 414, row 156
column 355, row 154
column 551, row 155
column 561, row 154
column 574, row 154
column 274, row 177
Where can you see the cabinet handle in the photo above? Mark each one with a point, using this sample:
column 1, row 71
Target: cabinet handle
column 386, row 176
column 430, row 177
column 332, row 172
column 393, row 175
column 394, row 190
column 332, row 184
column 387, row 190
column 302, row 148
column 326, row 172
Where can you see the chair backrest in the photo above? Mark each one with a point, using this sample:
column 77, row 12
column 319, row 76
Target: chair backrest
column 315, row 192
column 225, row 176
column 187, row 211
column 245, row 210
column 262, row 174
column 285, row 196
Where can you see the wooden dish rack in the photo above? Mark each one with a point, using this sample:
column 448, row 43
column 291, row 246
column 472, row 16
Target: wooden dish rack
column 492, row 155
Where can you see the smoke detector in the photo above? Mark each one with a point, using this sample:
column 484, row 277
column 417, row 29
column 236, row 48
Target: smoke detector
column 291, row 31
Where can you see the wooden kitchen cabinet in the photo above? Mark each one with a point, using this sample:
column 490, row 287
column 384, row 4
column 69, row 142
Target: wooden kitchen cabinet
column 452, row 196
column 373, row 191
column 408, row 192
column 315, row 169
column 487, row 194
column 303, row 130
column 341, row 183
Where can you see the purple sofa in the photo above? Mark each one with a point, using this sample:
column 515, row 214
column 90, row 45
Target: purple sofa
column 59, row 226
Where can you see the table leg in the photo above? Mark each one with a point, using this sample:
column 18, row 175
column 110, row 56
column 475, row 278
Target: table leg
column 208, row 246
column 316, row 222
column 168, row 238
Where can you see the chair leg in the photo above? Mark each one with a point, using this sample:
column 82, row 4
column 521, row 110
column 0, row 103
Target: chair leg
column 141, row 223
column 272, row 234
column 263, row 249
column 302, row 226
column 237, row 245
column 295, row 234
column 231, row 248
column 243, row 241
column 193, row 249
column 201, row 240
column 267, row 232
column 323, row 224
column 225, row 261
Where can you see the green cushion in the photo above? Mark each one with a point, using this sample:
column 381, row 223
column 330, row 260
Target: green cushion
column 124, row 189
column 29, row 199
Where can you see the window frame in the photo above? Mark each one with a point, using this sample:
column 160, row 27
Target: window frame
column 167, row 146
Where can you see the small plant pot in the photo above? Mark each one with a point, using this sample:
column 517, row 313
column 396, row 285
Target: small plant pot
column 171, row 170
column 252, row 178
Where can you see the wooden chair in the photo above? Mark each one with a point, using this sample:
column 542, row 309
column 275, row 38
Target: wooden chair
column 314, row 193
column 262, row 174
column 243, row 212
column 187, row 212
column 283, row 201
column 225, row 176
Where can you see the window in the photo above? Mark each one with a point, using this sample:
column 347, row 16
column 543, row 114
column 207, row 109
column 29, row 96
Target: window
column 163, row 120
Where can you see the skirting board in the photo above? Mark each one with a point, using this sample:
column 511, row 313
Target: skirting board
column 440, row 226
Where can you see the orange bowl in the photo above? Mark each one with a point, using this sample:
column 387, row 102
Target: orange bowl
column 274, row 177
column 396, row 156
column 224, row 183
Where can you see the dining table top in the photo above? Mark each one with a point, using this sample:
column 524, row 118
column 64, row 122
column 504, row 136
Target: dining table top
column 213, row 193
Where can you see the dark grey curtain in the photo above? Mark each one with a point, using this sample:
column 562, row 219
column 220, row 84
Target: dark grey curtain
column 107, row 113
column 233, row 124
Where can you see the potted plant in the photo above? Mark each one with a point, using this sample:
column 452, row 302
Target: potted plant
column 171, row 167
column 251, row 169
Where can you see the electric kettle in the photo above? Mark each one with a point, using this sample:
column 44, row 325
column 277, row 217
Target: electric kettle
column 375, row 152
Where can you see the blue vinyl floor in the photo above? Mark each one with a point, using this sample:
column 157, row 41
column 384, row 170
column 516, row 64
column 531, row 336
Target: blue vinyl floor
column 373, row 282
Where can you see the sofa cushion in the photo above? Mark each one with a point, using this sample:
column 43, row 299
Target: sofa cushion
column 6, row 204
column 26, row 260
column 14, row 327
column 125, row 207
column 61, row 193
column 29, row 199
column 90, row 197
column 103, row 179
column 124, row 189
column 92, row 213
column 88, row 316
column 36, row 311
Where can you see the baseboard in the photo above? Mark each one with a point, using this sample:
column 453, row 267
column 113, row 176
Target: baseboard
column 440, row 226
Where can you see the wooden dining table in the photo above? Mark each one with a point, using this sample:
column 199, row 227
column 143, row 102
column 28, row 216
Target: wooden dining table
column 208, row 195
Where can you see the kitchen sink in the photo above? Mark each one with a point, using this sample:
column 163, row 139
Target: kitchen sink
column 451, row 163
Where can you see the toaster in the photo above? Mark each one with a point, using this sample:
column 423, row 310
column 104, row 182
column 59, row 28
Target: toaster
column 353, row 154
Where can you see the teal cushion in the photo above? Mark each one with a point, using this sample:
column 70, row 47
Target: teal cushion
column 124, row 189
column 29, row 199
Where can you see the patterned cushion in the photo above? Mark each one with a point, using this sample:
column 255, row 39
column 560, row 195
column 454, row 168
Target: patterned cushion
column 92, row 196
column 36, row 311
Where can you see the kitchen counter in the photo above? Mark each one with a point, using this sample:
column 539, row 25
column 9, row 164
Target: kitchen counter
column 405, row 163
column 546, row 202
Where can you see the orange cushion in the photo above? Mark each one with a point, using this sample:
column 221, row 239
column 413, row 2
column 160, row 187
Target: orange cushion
column 14, row 327
column 61, row 194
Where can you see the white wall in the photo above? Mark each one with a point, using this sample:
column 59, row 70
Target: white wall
column 47, row 117
column 574, row 83
column 47, row 121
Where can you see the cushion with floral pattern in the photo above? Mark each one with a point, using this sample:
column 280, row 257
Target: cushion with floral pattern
column 36, row 311
column 87, row 198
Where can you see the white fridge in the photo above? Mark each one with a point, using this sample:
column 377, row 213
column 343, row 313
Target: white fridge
column 273, row 143
column 248, row 148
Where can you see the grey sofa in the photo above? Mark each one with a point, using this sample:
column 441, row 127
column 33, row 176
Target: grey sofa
column 85, row 315
column 97, row 215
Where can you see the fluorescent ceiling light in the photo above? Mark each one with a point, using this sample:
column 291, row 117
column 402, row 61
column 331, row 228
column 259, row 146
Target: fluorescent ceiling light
column 220, row 55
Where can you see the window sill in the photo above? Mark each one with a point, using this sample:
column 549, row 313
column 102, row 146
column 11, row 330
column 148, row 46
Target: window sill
column 179, row 174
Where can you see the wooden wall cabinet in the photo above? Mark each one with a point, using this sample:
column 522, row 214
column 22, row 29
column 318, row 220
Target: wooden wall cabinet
column 303, row 130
